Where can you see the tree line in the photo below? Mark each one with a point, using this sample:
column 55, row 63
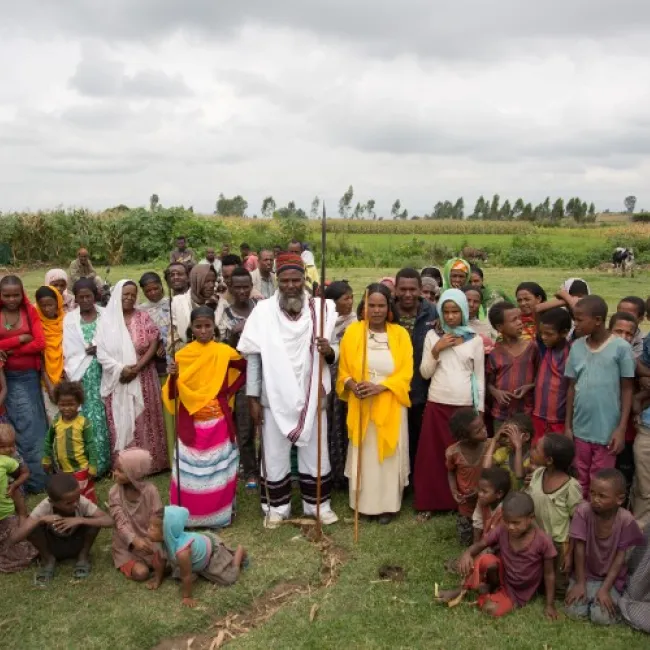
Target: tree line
column 492, row 209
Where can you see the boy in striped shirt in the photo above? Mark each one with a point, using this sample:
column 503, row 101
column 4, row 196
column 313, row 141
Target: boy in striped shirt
column 69, row 444
column 551, row 385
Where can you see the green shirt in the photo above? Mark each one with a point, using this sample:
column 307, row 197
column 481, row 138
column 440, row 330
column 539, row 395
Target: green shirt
column 8, row 466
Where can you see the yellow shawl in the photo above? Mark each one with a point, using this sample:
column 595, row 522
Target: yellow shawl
column 202, row 370
column 383, row 409
column 53, row 331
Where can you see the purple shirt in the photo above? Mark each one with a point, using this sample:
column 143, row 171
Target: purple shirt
column 600, row 553
column 523, row 570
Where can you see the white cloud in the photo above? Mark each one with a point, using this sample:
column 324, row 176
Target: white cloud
column 105, row 103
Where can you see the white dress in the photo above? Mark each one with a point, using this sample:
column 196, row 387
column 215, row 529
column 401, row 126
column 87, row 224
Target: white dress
column 382, row 484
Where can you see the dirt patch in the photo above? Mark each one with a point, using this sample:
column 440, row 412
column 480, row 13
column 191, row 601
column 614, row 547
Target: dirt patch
column 234, row 625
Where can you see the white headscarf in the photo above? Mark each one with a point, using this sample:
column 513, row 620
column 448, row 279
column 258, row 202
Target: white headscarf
column 75, row 358
column 308, row 258
column 115, row 350
column 569, row 283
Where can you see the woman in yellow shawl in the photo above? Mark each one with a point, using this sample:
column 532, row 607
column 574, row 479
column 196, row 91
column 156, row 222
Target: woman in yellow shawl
column 379, row 395
column 204, row 376
column 49, row 305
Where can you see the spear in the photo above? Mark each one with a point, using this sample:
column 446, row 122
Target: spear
column 175, row 383
column 364, row 356
column 321, row 335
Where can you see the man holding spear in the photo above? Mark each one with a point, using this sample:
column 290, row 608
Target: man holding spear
column 282, row 340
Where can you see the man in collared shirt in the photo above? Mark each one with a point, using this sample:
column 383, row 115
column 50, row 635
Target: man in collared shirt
column 263, row 277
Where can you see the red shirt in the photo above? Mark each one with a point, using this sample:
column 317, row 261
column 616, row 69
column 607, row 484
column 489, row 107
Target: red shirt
column 23, row 356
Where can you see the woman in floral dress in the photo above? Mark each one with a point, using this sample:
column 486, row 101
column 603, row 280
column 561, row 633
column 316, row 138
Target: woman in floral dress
column 80, row 363
column 127, row 342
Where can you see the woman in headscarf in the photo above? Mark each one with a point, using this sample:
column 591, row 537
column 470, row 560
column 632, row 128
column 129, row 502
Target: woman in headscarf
column 203, row 280
column 203, row 379
column 49, row 305
column 80, row 359
column 127, row 340
column 430, row 290
column 455, row 275
column 131, row 503
column 22, row 339
column 454, row 360
column 337, row 410
column 378, row 399
column 432, row 272
column 390, row 283
column 158, row 307
column 58, row 279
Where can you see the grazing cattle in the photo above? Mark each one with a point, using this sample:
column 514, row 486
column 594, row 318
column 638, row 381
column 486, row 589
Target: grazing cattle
column 470, row 253
column 623, row 258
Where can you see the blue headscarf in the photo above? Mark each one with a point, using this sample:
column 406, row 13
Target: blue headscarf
column 458, row 298
column 177, row 539
column 463, row 330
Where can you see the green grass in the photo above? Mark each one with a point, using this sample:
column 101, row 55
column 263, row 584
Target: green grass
column 106, row 611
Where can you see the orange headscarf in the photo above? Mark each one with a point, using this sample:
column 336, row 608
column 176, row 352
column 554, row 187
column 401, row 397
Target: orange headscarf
column 53, row 331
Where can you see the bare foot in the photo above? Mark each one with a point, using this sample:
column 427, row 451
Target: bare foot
column 240, row 556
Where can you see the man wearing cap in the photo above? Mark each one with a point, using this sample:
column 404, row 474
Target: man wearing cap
column 281, row 343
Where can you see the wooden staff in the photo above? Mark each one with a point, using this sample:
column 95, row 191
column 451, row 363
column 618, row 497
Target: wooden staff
column 321, row 334
column 364, row 356
column 173, row 344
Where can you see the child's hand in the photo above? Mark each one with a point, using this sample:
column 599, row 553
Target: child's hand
column 502, row 397
column 576, row 594
column 189, row 602
column 551, row 613
column 465, row 564
column 11, row 490
column 3, row 356
column 458, row 497
column 66, row 524
column 153, row 584
column 522, row 391
column 567, row 565
column 50, row 519
column 617, row 443
column 142, row 545
column 605, row 601
column 172, row 368
column 516, row 437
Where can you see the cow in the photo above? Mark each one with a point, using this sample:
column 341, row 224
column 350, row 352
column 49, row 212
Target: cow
column 623, row 258
column 470, row 253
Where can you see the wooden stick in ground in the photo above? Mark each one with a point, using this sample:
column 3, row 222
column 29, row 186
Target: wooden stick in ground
column 173, row 346
column 364, row 354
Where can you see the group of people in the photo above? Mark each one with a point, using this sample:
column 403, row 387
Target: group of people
column 529, row 417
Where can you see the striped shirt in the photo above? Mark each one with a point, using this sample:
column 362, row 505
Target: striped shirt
column 69, row 446
column 551, row 385
column 507, row 372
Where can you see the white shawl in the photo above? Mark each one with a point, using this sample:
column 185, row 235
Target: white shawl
column 75, row 359
column 181, row 307
column 115, row 350
column 289, row 362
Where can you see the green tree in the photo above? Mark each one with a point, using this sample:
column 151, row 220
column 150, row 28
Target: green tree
column 506, row 210
column 235, row 207
column 478, row 208
column 518, row 208
column 370, row 209
column 153, row 202
column 527, row 214
column 359, row 209
column 345, row 202
column 268, row 207
column 290, row 212
column 557, row 211
column 394, row 211
column 315, row 205
column 630, row 203
column 494, row 208
column 459, row 208
column 592, row 212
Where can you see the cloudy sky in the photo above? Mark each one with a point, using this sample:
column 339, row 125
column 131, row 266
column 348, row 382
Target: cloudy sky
column 104, row 103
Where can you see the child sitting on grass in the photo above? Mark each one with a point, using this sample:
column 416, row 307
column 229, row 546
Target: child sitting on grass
column 551, row 385
column 556, row 495
column 511, row 580
column 602, row 532
column 12, row 504
column 63, row 526
column 464, row 461
column 192, row 553
column 69, row 444
column 511, row 367
column 601, row 372
column 131, row 503
column 510, row 449
column 493, row 488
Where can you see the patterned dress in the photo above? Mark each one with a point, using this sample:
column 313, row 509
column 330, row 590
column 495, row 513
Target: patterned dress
column 149, row 431
column 93, row 407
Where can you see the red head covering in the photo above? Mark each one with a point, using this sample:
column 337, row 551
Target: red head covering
column 289, row 262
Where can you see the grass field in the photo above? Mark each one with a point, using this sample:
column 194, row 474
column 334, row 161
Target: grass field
column 356, row 611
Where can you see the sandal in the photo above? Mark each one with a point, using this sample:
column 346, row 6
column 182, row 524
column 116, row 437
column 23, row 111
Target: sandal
column 423, row 516
column 43, row 577
column 81, row 570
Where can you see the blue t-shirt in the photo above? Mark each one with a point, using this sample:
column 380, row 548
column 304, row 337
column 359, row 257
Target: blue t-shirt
column 598, row 374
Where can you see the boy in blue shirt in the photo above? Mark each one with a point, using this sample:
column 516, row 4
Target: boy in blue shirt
column 601, row 372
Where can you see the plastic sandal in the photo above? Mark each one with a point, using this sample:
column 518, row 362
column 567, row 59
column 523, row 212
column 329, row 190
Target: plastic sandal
column 81, row 570
column 43, row 577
